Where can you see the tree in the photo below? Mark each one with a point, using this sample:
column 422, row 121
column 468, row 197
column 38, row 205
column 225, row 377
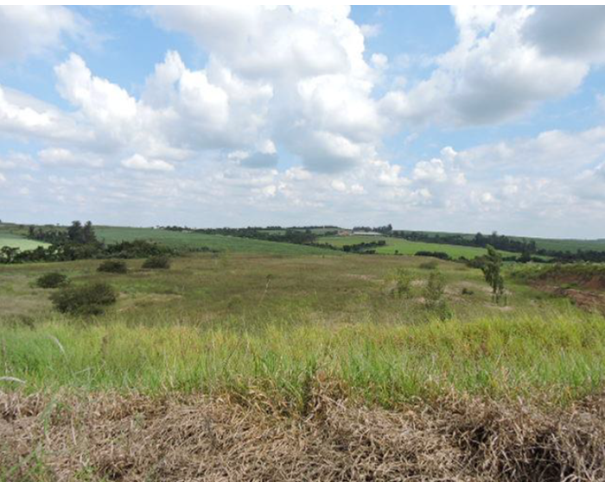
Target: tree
column 88, row 234
column 74, row 232
column 492, row 271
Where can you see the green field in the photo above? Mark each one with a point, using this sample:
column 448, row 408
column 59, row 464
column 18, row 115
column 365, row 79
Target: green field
column 232, row 324
column 11, row 240
column 556, row 244
column 191, row 240
column 406, row 247
column 308, row 358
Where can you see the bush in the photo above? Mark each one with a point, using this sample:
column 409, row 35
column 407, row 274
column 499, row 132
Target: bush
column 90, row 299
column 157, row 262
column 403, row 282
column 115, row 266
column 52, row 280
column 437, row 255
column 434, row 289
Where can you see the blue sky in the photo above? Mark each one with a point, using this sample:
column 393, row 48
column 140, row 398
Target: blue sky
column 462, row 119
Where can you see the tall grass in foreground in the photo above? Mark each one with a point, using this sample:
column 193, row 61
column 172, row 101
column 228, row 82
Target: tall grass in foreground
column 557, row 357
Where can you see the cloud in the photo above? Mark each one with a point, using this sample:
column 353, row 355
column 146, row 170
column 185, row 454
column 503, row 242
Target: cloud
column 492, row 75
column 29, row 30
column 140, row 163
column 260, row 159
column 309, row 61
column 2, row 178
column 576, row 32
column 56, row 156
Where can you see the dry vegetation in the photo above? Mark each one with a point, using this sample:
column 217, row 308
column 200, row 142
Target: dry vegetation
column 110, row 437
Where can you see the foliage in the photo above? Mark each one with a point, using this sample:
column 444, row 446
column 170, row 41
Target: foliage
column 433, row 295
column 492, row 271
column 157, row 262
column 113, row 266
column 137, row 249
column 52, row 280
column 437, row 255
column 364, row 247
column 403, row 282
column 90, row 299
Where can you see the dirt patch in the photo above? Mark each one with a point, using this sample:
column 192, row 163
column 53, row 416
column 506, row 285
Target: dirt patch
column 106, row 437
column 584, row 299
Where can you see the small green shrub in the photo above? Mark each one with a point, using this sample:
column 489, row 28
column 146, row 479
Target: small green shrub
column 434, row 289
column 157, row 262
column 90, row 299
column 403, row 283
column 52, row 280
column 114, row 266
column 429, row 266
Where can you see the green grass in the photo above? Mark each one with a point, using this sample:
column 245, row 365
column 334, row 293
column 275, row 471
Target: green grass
column 11, row 240
column 241, row 323
column 407, row 247
column 184, row 240
column 558, row 356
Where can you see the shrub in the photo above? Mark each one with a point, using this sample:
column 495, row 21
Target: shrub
column 437, row 255
column 90, row 299
column 403, row 282
column 434, row 289
column 52, row 280
column 137, row 249
column 115, row 266
column 429, row 266
column 157, row 262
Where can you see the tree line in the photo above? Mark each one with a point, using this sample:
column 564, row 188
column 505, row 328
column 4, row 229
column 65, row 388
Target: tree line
column 78, row 242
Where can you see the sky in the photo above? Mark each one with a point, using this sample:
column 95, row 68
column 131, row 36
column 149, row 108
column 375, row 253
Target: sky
column 428, row 118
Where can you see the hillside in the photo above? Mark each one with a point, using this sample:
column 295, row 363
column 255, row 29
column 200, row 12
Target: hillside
column 9, row 239
column 406, row 247
column 556, row 244
column 190, row 240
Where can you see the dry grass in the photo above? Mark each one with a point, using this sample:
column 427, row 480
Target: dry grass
column 192, row 437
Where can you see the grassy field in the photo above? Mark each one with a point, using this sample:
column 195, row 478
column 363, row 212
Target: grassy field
column 184, row 240
column 406, row 247
column 245, row 366
column 241, row 322
column 11, row 240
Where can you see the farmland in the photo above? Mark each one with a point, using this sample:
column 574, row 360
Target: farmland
column 406, row 247
column 12, row 240
column 192, row 241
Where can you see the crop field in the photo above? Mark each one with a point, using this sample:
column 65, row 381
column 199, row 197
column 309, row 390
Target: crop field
column 243, row 365
column 9, row 239
column 191, row 240
column 557, row 244
column 406, row 247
